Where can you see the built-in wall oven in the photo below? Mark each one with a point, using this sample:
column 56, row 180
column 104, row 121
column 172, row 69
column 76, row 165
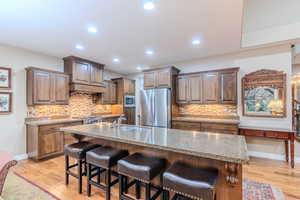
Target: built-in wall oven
column 129, row 101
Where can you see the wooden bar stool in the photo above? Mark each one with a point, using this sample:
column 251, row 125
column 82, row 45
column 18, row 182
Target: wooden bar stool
column 142, row 169
column 104, row 158
column 192, row 182
column 77, row 151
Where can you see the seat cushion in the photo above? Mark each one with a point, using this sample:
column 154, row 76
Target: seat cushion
column 78, row 150
column 141, row 167
column 105, row 157
column 191, row 181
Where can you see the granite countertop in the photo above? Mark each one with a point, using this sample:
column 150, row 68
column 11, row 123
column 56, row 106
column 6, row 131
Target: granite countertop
column 209, row 120
column 230, row 148
column 47, row 121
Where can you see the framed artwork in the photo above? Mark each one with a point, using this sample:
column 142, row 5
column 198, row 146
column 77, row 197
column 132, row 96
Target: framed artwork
column 5, row 102
column 5, row 78
column 264, row 94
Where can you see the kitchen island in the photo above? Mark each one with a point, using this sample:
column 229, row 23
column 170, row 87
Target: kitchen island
column 227, row 153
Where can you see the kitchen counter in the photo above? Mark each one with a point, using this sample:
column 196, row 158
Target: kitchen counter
column 268, row 129
column 208, row 120
column 48, row 121
column 230, row 148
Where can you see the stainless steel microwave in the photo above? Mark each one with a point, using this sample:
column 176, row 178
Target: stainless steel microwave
column 129, row 101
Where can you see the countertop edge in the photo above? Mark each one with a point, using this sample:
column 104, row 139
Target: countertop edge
column 217, row 121
column 203, row 155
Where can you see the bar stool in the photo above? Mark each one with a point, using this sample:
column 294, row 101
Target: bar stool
column 77, row 151
column 192, row 182
column 104, row 158
column 142, row 169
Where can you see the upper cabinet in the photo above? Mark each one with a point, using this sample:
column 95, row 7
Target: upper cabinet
column 159, row 78
column 109, row 96
column 189, row 89
column 45, row 87
column 212, row 87
column 228, row 86
column 124, row 87
column 86, row 76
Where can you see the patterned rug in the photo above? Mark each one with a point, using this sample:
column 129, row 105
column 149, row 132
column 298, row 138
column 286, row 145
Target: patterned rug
column 261, row 191
column 17, row 187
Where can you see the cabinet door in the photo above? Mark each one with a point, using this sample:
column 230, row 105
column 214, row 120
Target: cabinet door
column 96, row 75
column 61, row 88
column 132, row 87
column 113, row 93
column 211, row 87
column 182, row 88
column 81, row 72
column 163, row 78
column 43, row 92
column 129, row 87
column 130, row 115
column 50, row 143
column 195, row 89
column 105, row 98
column 149, row 80
column 228, row 87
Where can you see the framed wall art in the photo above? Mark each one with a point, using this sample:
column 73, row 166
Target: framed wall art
column 5, row 102
column 5, row 78
column 264, row 94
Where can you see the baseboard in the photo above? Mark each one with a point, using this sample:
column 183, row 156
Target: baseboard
column 21, row 157
column 270, row 156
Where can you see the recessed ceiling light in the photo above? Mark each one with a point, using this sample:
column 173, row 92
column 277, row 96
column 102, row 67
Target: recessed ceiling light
column 116, row 60
column 92, row 29
column 79, row 47
column 139, row 68
column 196, row 42
column 149, row 52
column 149, row 5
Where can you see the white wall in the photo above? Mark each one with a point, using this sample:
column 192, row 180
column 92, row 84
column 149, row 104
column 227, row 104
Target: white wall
column 269, row 21
column 278, row 58
column 12, row 134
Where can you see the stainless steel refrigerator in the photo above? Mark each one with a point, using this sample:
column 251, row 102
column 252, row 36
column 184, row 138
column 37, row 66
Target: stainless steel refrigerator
column 155, row 107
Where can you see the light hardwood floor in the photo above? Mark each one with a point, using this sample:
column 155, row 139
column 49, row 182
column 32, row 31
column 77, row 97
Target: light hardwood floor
column 49, row 174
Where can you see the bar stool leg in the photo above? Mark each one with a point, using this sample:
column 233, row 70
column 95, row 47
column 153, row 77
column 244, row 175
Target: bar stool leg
column 66, row 170
column 108, row 180
column 89, row 166
column 138, row 190
column 99, row 175
column 120, row 186
column 79, row 176
column 125, row 184
column 166, row 195
column 147, row 191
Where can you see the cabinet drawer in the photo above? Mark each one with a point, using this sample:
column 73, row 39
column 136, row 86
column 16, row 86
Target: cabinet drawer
column 278, row 135
column 249, row 132
column 192, row 126
column 45, row 129
column 212, row 130
column 226, row 127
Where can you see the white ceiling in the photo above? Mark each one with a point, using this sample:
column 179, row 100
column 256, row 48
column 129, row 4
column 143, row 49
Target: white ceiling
column 125, row 29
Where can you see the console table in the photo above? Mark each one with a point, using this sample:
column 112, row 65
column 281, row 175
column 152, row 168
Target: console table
column 288, row 136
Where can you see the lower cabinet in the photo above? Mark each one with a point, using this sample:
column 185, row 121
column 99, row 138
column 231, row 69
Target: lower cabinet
column 46, row 141
column 129, row 115
column 206, row 127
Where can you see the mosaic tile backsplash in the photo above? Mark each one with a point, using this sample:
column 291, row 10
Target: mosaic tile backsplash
column 208, row 109
column 79, row 105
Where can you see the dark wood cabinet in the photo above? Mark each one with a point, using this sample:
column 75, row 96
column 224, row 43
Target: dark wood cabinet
column 129, row 87
column 45, row 87
column 45, row 141
column 130, row 116
column 109, row 96
column 189, row 89
column 228, row 85
column 159, row 78
column 85, row 75
column 124, row 87
column 206, row 127
column 212, row 87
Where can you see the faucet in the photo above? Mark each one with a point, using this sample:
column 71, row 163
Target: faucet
column 117, row 122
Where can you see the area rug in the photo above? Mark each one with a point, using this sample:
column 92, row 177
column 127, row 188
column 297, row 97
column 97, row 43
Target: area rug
column 17, row 187
column 261, row 191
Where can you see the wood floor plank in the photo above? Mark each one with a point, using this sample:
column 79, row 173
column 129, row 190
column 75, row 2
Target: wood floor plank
column 49, row 174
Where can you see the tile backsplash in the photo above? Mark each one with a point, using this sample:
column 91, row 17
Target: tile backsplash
column 80, row 105
column 208, row 109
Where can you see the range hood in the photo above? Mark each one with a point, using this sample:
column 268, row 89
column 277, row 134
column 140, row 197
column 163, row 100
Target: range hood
column 89, row 89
